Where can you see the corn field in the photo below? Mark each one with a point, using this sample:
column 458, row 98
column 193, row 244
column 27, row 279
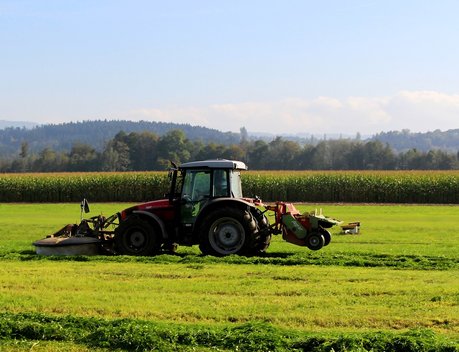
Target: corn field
column 300, row 186
column 73, row 187
column 355, row 187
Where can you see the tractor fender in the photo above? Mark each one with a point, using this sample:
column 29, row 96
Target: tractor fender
column 154, row 218
column 219, row 203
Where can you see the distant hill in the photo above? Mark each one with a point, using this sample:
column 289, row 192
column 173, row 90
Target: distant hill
column 404, row 140
column 60, row 137
column 14, row 124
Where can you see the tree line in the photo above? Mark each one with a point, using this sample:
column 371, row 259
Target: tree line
column 144, row 151
column 425, row 141
column 61, row 137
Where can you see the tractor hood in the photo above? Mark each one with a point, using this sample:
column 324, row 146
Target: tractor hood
column 162, row 206
column 154, row 204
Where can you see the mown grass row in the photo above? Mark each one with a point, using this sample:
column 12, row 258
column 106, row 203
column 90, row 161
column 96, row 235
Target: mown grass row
column 138, row 335
column 366, row 187
column 364, row 260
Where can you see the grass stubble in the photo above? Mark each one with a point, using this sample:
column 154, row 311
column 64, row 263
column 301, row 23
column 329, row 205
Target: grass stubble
column 397, row 281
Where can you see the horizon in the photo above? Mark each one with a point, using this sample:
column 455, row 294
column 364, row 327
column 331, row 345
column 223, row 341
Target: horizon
column 296, row 67
column 28, row 125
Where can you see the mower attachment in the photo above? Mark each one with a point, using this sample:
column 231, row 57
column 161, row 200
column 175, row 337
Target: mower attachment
column 308, row 229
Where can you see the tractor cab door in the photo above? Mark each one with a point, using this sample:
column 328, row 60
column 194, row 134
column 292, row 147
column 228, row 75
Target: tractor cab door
column 196, row 192
column 220, row 186
column 199, row 186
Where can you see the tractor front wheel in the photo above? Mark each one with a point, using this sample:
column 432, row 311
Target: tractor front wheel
column 227, row 231
column 135, row 236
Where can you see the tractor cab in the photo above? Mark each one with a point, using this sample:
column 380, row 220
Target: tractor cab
column 201, row 183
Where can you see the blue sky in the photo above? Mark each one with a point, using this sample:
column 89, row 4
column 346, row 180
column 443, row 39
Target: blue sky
column 271, row 66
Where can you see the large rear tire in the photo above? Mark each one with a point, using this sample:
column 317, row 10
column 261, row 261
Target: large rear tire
column 135, row 236
column 263, row 238
column 227, row 231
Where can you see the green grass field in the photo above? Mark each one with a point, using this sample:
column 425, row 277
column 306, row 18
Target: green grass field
column 396, row 281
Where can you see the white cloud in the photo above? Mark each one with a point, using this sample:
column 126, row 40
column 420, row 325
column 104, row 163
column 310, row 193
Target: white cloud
column 415, row 110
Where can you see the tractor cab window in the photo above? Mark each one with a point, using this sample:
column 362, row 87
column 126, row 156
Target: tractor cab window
column 196, row 185
column 236, row 188
column 195, row 193
column 220, row 184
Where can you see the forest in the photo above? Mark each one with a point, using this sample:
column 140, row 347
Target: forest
column 61, row 137
column 144, row 151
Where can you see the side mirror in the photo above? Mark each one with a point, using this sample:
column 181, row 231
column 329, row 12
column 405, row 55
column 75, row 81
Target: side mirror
column 85, row 206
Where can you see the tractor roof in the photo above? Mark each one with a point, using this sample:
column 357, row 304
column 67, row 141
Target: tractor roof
column 215, row 164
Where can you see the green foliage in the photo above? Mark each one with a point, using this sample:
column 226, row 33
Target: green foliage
column 422, row 141
column 137, row 149
column 74, row 187
column 95, row 133
column 363, row 260
column 138, row 335
column 411, row 341
column 361, row 187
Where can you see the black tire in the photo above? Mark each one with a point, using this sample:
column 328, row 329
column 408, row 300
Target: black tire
column 326, row 224
column 227, row 231
column 135, row 236
column 327, row 236
column 263, row 239
column 315, row 241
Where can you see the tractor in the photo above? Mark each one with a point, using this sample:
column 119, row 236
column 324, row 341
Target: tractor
column 205, row 206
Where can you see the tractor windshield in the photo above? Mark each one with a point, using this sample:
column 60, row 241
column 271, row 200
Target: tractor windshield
column 199, row 185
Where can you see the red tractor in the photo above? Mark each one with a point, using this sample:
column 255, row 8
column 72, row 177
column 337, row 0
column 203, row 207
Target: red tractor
column 204, row 206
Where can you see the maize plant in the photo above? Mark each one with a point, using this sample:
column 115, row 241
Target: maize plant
column 440, row 187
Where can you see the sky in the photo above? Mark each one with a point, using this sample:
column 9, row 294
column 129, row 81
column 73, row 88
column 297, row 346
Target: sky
column 280, row 67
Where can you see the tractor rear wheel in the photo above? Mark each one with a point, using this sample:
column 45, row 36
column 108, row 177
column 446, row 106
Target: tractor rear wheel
column 315, row 241
column 227, row 231
column 263, row 238
column 135, row 236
